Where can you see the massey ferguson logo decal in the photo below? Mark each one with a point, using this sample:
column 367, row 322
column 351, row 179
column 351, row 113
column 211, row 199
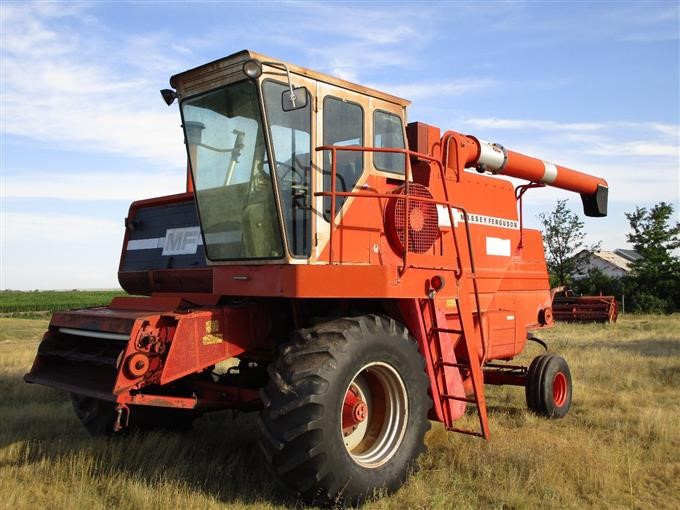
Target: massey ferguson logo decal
column 477, row 219
column 181, row 241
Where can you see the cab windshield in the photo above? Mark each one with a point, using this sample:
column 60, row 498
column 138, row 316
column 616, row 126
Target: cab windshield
column 232, row 176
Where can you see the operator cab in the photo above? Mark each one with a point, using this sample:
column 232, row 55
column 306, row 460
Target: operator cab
column 254, row 168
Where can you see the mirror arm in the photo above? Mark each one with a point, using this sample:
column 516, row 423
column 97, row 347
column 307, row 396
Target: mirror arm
column 281, row 65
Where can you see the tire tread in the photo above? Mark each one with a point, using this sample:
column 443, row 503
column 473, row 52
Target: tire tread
column 291, row 429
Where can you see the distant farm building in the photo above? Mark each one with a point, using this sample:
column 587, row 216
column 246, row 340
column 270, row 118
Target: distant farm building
column 615, row 264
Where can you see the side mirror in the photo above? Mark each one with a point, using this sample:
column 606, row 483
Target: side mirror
column 297, row 102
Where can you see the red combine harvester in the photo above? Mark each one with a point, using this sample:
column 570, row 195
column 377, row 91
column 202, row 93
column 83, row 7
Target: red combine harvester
column 359, row 276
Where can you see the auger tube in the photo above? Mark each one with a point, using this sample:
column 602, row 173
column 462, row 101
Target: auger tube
column 499, row 160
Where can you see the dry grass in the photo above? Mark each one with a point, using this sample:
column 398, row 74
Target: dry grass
column 618, row 448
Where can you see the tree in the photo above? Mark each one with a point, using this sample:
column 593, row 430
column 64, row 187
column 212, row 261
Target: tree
column 564, row 241
column 597, row 283
column 655, row 277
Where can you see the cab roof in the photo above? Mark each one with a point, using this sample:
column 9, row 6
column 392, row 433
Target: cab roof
column 202, row 76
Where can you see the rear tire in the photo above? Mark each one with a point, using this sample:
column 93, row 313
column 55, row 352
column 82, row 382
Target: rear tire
column 306, row 439
column 99, row 416
column 548, row 387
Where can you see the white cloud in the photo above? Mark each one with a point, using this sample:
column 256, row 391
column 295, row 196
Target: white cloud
column 415, row 91
column 346, row 40
column 532, row 124
column 670, row 130
column 350, row 41
column 72, row 86
column 610, row 139
column 638, row 148
column 70, row 81
column 643, row 22
column 59, row 227
column 89, row 186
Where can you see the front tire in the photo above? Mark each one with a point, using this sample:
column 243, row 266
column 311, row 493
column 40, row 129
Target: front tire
column 345, row 410
column 548, row 386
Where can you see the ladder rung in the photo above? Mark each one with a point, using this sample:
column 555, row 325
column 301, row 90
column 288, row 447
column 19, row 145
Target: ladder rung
column 505, row 366
column 451, row 364
column 474, row 366
column 514, row 371
column 465, row 431
column 447, row 330
column 460, row 399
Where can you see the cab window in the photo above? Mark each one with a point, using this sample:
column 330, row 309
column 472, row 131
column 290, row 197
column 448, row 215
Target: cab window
column 388, row 133
column 343, row 124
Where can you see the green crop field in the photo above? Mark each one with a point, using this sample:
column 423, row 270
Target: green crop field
column 41, row 303
column 619, row 447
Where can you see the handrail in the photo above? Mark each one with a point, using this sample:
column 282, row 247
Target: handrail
column 446, row 141
column 407, row 175
column 446, row 144
column 519, row 194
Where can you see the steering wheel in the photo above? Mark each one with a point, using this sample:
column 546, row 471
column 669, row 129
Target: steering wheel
column 290, row 176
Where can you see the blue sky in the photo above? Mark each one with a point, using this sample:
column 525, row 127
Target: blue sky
column 590, row 85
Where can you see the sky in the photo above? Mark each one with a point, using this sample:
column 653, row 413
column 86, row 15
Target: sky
column 593, row 86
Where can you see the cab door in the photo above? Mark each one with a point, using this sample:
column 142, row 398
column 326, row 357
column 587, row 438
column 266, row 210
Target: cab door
column 341, row 120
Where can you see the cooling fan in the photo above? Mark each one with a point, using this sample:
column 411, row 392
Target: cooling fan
column 422, row 222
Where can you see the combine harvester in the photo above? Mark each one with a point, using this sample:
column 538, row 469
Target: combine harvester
column 361, row 276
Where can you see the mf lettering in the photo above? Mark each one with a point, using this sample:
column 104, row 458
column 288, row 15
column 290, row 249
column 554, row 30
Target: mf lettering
column 181, row 241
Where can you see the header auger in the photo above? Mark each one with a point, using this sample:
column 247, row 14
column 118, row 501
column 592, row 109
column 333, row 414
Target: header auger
column 360, row 276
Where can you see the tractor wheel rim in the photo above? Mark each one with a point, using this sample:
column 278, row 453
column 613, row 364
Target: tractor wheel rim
column 377, row 438
column 559, row 389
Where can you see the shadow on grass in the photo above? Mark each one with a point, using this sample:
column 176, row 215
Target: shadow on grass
column 651, row 347
column 219, row 458
column 505, row 410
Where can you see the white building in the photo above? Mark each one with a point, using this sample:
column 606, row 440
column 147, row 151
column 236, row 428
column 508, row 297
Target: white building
column 609, row 263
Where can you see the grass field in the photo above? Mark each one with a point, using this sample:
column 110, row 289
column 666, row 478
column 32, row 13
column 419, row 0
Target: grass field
column 618, row 448
column 41, row 303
